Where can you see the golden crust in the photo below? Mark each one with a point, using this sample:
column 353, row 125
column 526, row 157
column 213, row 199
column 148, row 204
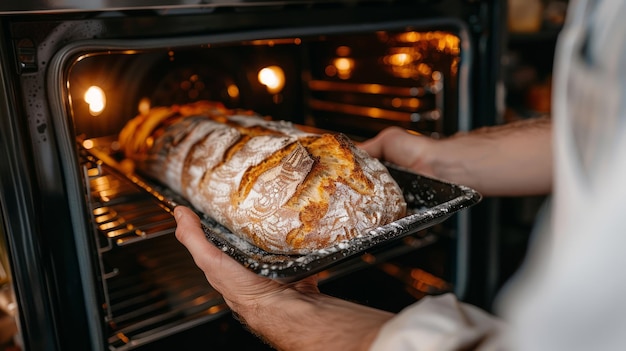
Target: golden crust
column 253, row 173
column 283, row 190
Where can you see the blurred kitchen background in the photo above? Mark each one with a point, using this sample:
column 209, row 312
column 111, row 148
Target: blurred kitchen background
column 533, row 28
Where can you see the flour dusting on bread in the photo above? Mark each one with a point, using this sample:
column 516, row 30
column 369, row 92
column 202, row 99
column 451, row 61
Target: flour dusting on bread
column 284, row 190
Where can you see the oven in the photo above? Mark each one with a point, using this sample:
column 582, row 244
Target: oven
column 89, row 259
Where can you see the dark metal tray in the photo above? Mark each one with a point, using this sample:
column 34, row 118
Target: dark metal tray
column 429, row 201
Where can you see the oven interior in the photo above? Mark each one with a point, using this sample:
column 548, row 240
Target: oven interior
column 349, row 81
column 354, row 83
column 356, row 77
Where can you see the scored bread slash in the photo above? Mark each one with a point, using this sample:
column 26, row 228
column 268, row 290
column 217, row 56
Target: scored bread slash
column 284, row 190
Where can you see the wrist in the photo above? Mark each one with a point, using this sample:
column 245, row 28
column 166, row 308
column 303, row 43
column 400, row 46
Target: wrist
column 293, row 320
column 444, row 159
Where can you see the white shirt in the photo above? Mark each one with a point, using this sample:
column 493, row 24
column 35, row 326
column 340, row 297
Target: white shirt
column 571, row 291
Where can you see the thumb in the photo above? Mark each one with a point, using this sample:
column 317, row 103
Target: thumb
column 190, row 233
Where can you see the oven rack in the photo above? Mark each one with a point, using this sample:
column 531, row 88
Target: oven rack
column 151, row 289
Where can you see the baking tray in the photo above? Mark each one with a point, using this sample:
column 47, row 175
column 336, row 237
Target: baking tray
column 429, row 202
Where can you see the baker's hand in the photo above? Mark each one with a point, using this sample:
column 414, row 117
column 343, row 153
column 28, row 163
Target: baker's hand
column 292, row 316
column 513, row 159
column 242, row 289
column 400, row 147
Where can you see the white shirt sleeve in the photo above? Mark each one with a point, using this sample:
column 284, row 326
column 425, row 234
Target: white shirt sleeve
column 440, row 323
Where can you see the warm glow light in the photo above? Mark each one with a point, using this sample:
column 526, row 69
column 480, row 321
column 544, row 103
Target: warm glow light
column 396, row 102
column 411, row 53
column 233, row 91
column 375, row 112
column 424, row 69
column 400, row 59
column 343, row 64
column 95, row 98
column 343, row 51
column 344, row 67
column 144, row 106
column 374, row 88
column 273, row 78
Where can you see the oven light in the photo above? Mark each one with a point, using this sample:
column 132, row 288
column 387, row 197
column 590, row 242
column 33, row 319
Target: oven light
column 95, row 98
column 233, row 91
column 343, row 51
column 344, row 67
column 88, row 144
column 424, row 69
column 409, row 37
column 144, row 106
column 273, row 78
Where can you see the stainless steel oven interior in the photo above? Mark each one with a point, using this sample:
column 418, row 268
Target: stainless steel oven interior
column 81, row 79
column 345, row 79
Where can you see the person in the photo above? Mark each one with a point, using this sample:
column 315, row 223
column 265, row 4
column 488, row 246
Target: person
column 568, row 293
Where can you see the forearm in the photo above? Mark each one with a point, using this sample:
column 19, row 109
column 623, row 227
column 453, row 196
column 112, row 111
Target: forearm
column 505, row 160
column 508, row 160
column 315, row 322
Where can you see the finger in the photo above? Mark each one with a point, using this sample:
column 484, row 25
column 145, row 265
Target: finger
column 383, row 145
column 190, row 233
column 372, row 146
column 388, row 144
column 206, row 255
column 222, row 271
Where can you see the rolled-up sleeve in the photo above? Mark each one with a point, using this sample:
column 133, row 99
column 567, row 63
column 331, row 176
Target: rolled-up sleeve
column 440, row 323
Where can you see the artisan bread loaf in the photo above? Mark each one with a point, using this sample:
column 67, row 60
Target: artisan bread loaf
column 284, row 190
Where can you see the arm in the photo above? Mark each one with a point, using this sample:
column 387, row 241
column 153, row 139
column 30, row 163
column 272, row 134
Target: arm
column 507, row 160
column 287, row 316
column 298, row 317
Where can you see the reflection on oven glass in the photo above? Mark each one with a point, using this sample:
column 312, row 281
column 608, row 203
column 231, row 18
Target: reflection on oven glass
column 96, row 99
column 413, row 54
column 372, row 81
